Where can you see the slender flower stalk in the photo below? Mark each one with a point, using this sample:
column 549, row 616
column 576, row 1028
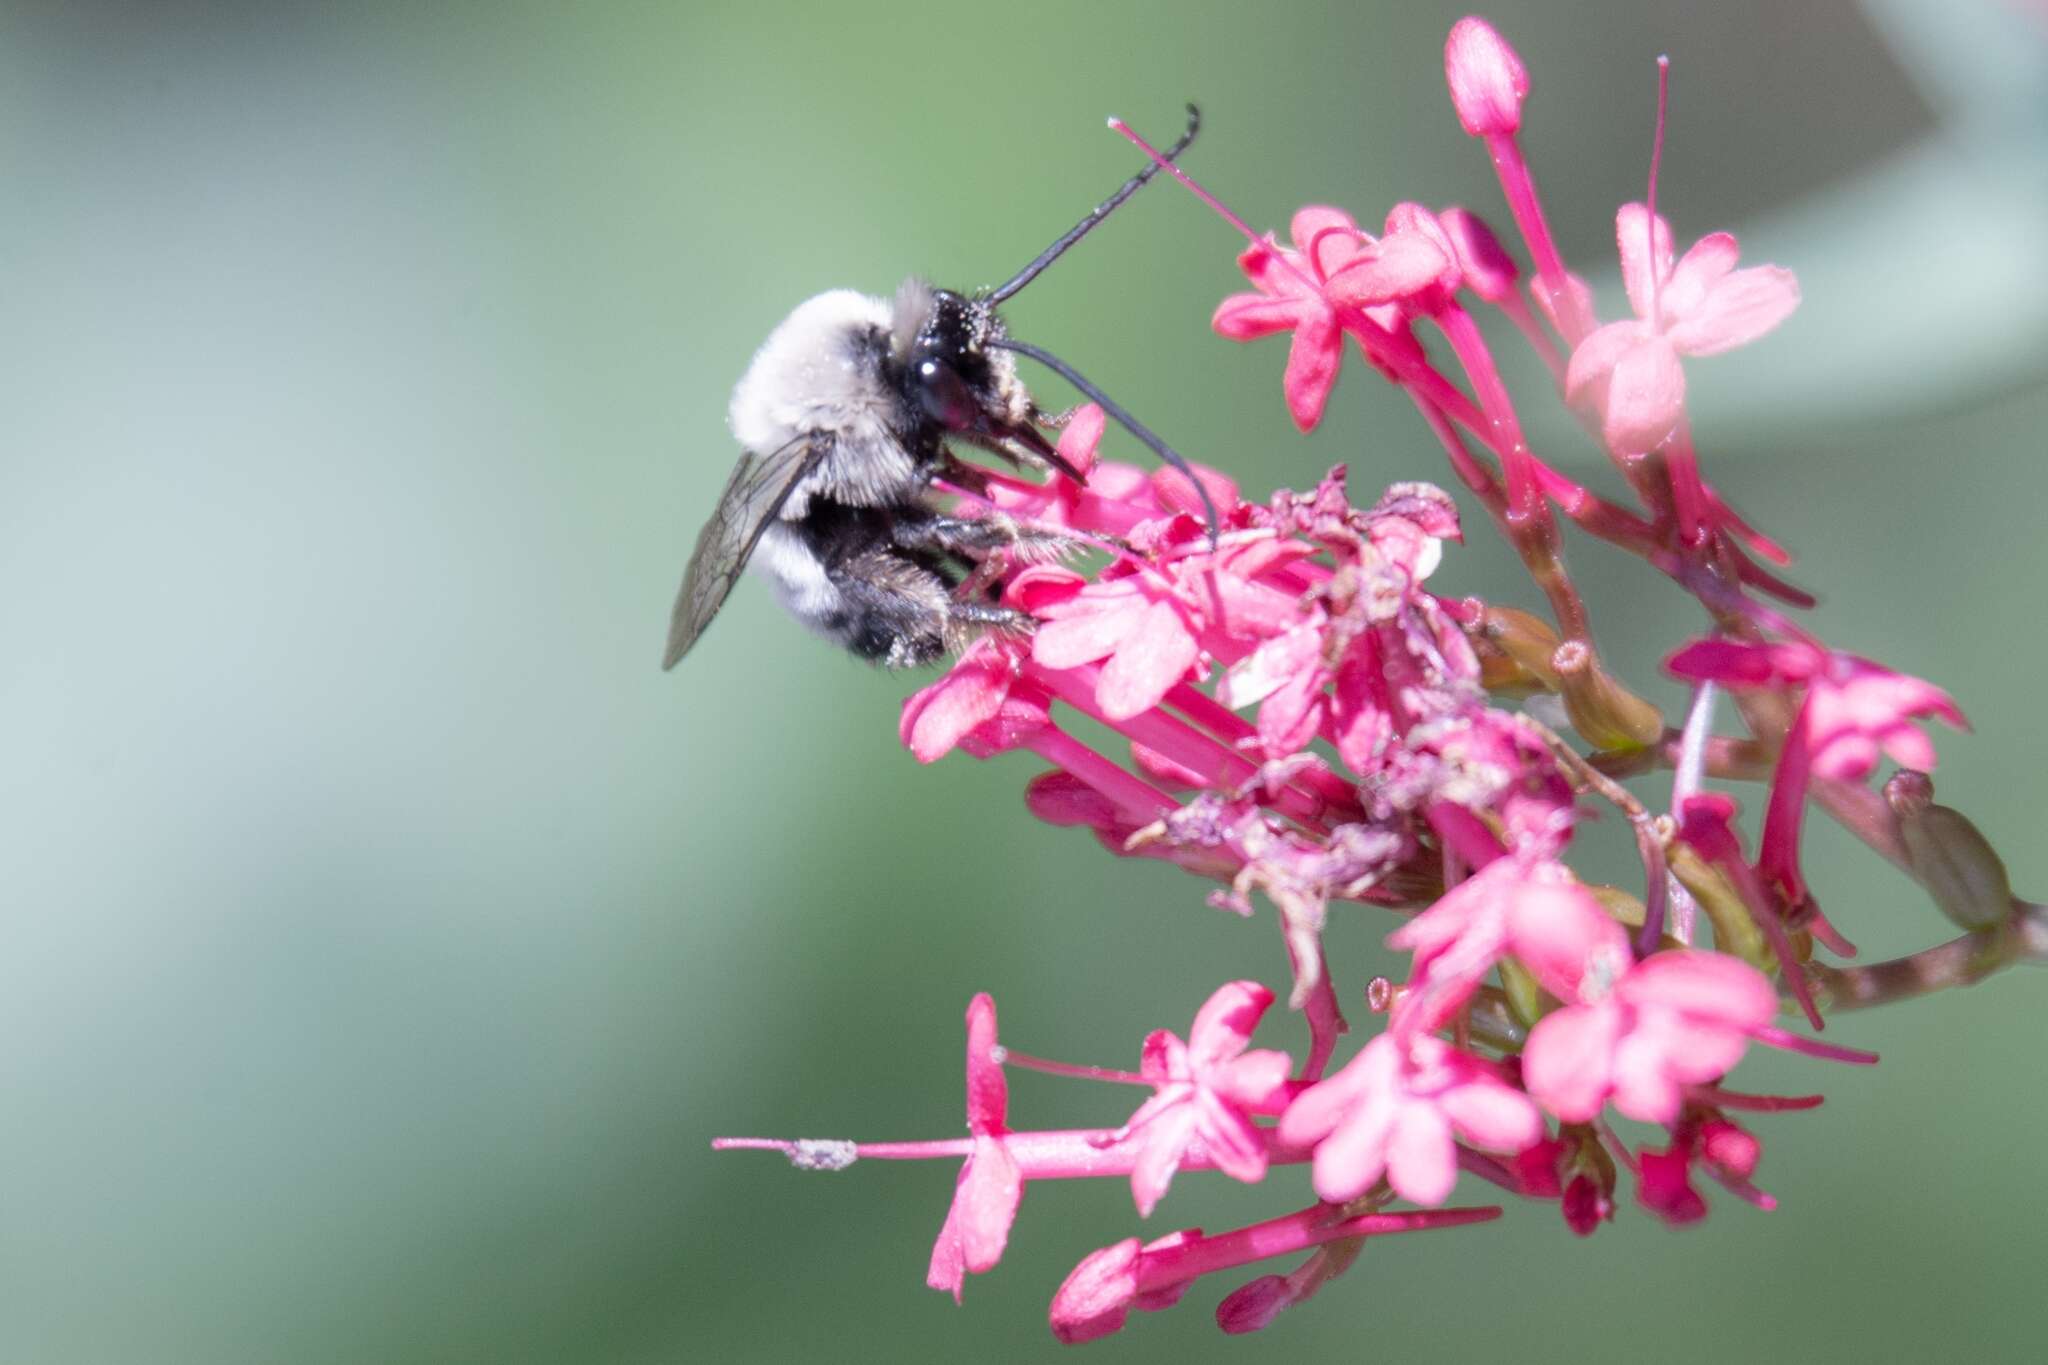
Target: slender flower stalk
column 1280, row 704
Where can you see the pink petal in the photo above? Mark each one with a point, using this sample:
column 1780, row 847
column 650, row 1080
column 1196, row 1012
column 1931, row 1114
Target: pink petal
column 1632, row 236
column 1486, row 266
column 1567, row 1062
column 1644, row 1088
column 986, row 1202
column 1739, row 309
column 1702, row 267
column 1246, row 317
column 1316, row 221
column 1094, row 631
column 1312, row 365
column 1256, row 1081
column 1727, row 662
column 1560, row 932
column 1351, row 1159
column 1267, row 668
column 1706, row 985
column 1291, row 716
column 1595, row 357
column 1422, row 1160
column 1080, row 436
column 1149, row 661
column 1163, row 1058
column 1402, row 265
column 935, row 718
column 1165, row 1138
column 1232, row 1141
column 1645, row 397
column 1363, row 724
column 1496, row 1117
column 1225, row 1022
column 1487, row 79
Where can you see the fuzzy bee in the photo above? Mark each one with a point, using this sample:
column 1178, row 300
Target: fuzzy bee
column 844, row 421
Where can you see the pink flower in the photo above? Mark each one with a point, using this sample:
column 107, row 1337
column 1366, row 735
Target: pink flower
column 1674, row 1019
column 1208, row 1089
column 1701, row 306
column 990, row 1187
column 1534, row 909
column 1292, row 297
column 1393, row 1110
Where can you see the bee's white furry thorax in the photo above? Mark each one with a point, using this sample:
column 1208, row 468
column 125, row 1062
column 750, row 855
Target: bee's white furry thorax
column 819, row 372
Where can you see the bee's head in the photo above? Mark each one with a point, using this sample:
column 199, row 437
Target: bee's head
column 952, row 374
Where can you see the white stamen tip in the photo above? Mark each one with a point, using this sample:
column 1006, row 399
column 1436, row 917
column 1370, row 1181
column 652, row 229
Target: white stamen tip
column 822, row 1154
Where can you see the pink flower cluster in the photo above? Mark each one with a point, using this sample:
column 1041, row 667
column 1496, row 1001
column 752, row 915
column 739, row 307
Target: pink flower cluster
column 1299, row 718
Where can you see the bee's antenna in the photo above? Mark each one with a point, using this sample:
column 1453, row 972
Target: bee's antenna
column 1123, row 419
column 1095, row 216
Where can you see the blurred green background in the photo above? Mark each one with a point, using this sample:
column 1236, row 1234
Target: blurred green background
column 387, row 935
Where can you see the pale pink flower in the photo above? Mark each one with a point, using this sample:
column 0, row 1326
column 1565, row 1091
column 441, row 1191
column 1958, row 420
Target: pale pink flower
column 990, row 1187
column 1700, row 306
column 1297, row 292
column 1208, row 1089
column 1396, row 1110
column 1672, row 1020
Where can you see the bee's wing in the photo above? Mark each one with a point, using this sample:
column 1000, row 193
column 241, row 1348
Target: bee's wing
column 752, row 498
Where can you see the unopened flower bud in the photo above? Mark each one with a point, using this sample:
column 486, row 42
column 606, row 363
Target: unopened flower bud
column 1955, row 862
column 1605, row 713
column 1488, row 81
column 1587, row 1205
column 1251, row 1307
column 1730, row 1148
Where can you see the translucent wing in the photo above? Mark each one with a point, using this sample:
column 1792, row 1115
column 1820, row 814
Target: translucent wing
column 752, row 498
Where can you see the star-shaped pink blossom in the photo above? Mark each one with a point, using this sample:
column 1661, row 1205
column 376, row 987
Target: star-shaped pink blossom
column 1674, row 1019
column 990, row 1187
column 1702, row 305
column 1295, row 293
column 1208, row 1089
column 1394, row 1110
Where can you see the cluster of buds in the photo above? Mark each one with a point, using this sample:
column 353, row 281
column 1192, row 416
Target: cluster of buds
column 1300, row 719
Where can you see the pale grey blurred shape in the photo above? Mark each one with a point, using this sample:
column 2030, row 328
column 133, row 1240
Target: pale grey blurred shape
column 1913, row 299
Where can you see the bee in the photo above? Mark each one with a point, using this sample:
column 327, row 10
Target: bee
column 844, row 420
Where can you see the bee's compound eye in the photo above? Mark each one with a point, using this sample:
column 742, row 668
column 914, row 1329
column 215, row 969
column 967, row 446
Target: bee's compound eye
column 944, row 394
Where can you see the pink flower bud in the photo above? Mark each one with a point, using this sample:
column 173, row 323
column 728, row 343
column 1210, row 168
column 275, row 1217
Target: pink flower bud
column 1488, row 82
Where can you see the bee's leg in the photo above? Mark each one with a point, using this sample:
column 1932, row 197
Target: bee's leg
column 974, row 538
column 897, row 609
